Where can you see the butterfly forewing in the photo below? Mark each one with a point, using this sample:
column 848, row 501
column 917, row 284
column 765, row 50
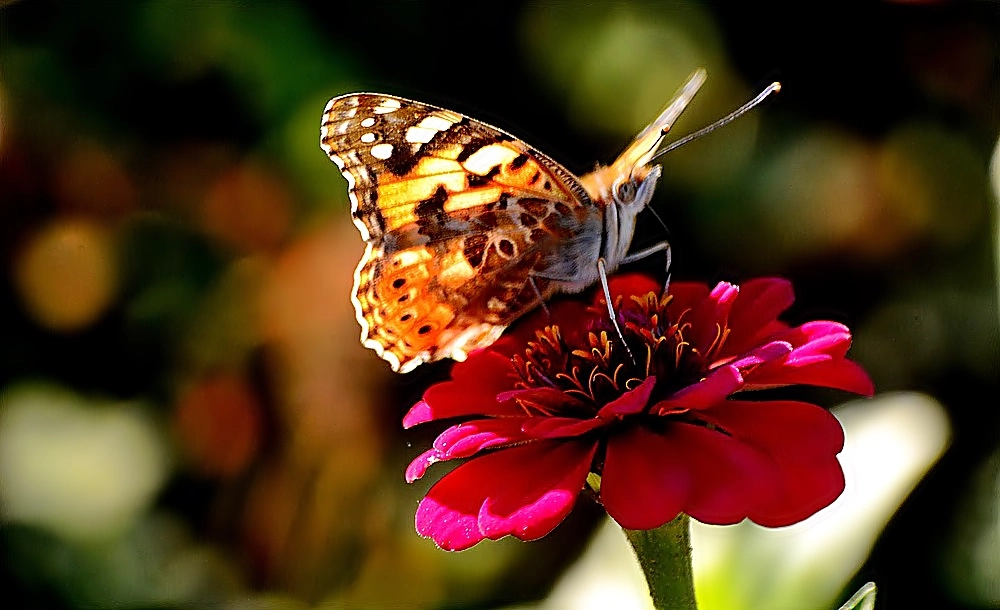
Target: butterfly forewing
column 467, row 226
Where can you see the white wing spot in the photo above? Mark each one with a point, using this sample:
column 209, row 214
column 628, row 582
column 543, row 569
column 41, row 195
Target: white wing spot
column 382, row 151
column 420, row 135
column 368, row 122
column 368, row 138
column 435, row 122
column 484, row 159
column 386, row 106
column 337, row 160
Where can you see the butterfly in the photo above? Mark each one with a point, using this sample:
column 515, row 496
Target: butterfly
column 468, row 228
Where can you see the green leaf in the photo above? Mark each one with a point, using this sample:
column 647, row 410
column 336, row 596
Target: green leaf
column 864, row 599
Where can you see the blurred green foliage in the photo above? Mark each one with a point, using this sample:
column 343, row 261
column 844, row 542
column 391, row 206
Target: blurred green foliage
column 186, row 415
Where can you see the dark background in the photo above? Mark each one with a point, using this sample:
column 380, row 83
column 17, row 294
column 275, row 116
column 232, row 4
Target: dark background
column 177, row 253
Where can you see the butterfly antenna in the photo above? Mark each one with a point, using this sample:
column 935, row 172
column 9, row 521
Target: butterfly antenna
column 729, row 118
column 603, row 272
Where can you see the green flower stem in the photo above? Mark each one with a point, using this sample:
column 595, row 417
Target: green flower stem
column 665, row 556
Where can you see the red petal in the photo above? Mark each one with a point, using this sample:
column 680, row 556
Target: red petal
column 629, row 284
column 572, row 316
column 550, row 399
column 472, row 391
column 629, row 403
column 754, row 314
column 804, row 489
column 730, row 478
column 523, row 491
column 785, row 427
column 558, row 427
column 711, row 390
column 710, row 316
column 838, row 374
column 803, row 441
column 644, row 483
column 686, row 295
column 649, row 478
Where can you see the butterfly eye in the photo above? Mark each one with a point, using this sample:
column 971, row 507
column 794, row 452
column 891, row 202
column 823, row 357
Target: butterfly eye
column 625, row 191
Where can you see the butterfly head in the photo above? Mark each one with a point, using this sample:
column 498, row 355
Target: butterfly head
column 630, row 180
column 635, row 189
column 625, row 187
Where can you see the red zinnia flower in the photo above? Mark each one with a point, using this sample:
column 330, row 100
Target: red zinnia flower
column 559, row 398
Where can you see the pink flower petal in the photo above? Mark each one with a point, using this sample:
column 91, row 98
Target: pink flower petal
column 418, row 414
column 770, row 352
column 771, row 461
column 472, row 391
column 818, row 357
column 523, row 491
column 719, row 384
column 469, row 438
column 819, row 337
column 630, row 403
column 418, row 467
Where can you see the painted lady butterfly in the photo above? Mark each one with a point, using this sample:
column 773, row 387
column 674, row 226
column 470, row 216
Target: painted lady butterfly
column 468, row 227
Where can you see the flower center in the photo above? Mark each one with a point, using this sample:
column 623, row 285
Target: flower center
column 598, row 369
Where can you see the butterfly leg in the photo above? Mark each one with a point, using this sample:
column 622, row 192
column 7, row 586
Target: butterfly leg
column 541, row 299
column 663, row 246
column 602, row 270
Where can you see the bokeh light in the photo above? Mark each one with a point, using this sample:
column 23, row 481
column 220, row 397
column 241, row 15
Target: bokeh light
column 67, row 273
column 219, row 425
column 247, row 209
column 91, row 181
column 81, row 470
